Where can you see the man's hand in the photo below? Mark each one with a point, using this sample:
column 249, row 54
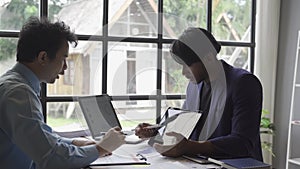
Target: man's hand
column 113, row 139
column 145, row 130
column 82, row 142
column 175, row 150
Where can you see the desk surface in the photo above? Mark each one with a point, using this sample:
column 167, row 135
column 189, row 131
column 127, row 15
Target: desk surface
column 155, row 159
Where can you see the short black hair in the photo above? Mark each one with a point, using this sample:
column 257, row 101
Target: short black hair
column 182, row 52
column 39, row 35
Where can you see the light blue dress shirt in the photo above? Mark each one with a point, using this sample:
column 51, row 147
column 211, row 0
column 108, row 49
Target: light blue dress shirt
column 26, row 142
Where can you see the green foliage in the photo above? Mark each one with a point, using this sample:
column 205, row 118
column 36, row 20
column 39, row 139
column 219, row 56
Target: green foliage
column 8, row 48
column 179, row 81
column 30, row 11
column 267, row 146
column 59, row 122
column 15, row 15
column 266, row 127
column 181, row 14
column 54, row 8
column 236, row 11
column 18, row 11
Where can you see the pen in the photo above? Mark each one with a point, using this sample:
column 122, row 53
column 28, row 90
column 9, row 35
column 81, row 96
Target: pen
column 141, row 157
column 129, row 132
column 156, row 126
column 102, row 133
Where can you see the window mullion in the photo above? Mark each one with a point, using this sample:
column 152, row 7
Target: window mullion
column 105, row 46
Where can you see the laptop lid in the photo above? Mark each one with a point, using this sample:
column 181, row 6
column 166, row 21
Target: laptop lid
column 99, row 113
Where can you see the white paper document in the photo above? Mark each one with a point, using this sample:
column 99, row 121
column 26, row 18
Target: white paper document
column 127, row 154
column 116, row 159
column 184, row 124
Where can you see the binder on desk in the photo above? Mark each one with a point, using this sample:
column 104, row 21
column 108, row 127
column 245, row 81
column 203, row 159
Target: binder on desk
column 115, row 159
column 241, row 163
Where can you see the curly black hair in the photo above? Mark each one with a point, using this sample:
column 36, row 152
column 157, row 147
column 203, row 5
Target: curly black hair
column 39, row 34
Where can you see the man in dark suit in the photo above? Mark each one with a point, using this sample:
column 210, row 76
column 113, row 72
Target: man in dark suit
column 230, row 99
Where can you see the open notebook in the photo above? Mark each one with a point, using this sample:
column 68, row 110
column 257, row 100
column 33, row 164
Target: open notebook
column 100, row 116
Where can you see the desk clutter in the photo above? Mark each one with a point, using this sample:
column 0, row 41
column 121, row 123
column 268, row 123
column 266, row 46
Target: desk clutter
column 144, row 156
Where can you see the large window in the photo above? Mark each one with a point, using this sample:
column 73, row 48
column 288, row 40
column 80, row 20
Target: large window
column 123, row 51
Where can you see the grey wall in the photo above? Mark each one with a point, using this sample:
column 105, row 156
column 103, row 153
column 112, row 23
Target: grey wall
column 288, row 31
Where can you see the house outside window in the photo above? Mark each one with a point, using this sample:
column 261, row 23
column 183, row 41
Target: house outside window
column 69, row 73
column 131, row 72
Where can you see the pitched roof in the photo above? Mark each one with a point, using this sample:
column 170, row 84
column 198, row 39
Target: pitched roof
column 90, row 20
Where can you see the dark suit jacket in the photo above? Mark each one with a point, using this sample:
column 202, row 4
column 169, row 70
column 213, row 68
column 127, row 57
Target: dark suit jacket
column 238, row 131
column 237, row 134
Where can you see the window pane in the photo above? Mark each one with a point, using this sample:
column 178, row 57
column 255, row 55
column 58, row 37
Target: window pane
column 84, row 73
column 131, row 68
column 133, row 112
column 173, row 82
column 7, row 54
column 85, row 17
column 171, row 103
column 236, row 56
column 13, row 14
column 180, row 14
column 231, row 20
column 65, row 116
column 137, row 18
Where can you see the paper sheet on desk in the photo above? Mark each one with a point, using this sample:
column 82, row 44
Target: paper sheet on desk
column 183, row 124
column 168, row 165
column 118, row 160
column 178, row 163
column 126, row 154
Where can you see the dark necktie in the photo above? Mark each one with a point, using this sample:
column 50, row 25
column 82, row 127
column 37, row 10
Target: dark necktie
column 205, row 99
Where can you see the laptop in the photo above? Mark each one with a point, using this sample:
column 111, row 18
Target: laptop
column 101, row 116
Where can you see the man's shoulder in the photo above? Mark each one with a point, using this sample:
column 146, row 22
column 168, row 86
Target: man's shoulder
column 236, row 73
column 10, row 82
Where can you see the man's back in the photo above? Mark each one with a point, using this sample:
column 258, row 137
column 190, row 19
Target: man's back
column 10, row 155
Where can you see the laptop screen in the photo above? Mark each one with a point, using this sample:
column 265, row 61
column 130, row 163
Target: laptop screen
column 99, row 113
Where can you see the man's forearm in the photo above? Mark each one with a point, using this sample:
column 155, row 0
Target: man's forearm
column 198, row 147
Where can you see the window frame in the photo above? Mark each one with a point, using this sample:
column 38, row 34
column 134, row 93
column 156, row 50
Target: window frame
column 159, row 41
